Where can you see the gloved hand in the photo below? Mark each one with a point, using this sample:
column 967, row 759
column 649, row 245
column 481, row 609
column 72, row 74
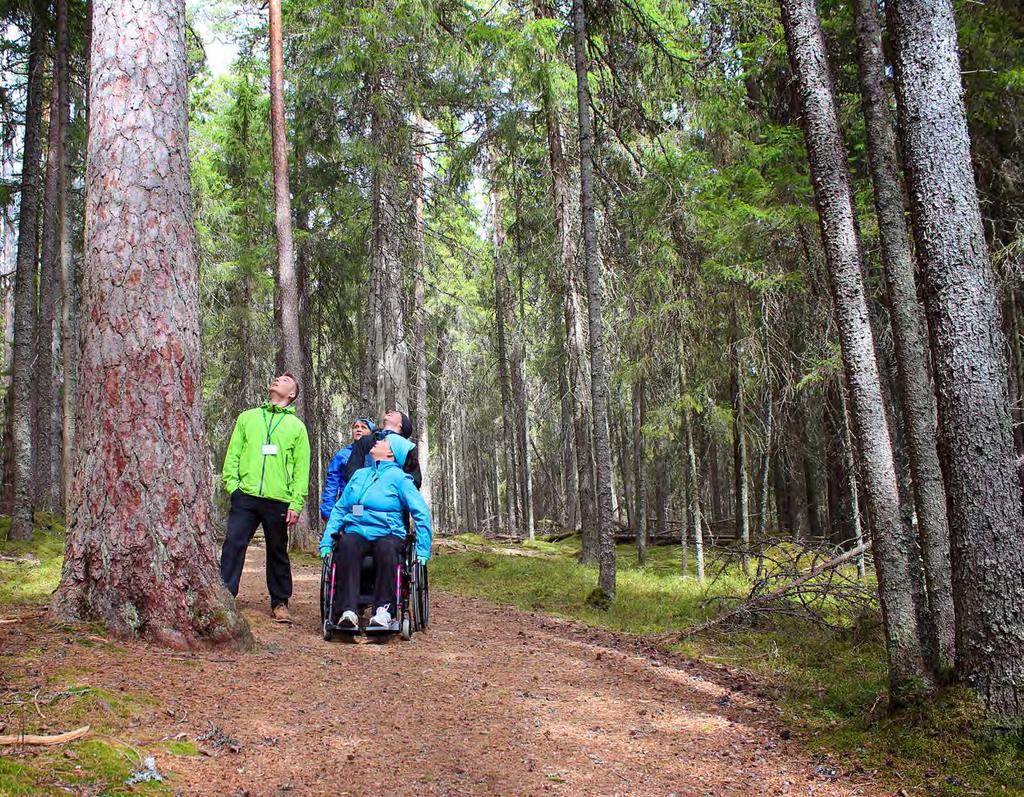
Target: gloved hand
column 324, row 552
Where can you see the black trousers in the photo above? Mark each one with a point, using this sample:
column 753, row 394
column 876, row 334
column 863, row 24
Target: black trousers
column 247, row 513
column 348, row 554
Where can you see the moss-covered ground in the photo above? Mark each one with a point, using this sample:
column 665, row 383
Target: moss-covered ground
column 99, row 764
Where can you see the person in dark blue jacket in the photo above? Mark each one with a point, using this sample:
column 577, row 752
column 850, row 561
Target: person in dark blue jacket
column 369, row 517
column 334, row 483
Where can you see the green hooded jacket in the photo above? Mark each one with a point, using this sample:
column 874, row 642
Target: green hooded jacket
column 268, row 456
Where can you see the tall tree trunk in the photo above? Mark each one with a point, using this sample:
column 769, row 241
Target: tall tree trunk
column 599, row 377
column 909, row 335
column 419, row 321
column 739, row 442
column 968, row 352
column 22, row 444
column 70, row 272
column 567, row 438
column 503, row 323
column 762, row 480
column 287, row 277
column 639, row 466
column 833, row 194
column 140, row 552
column 45, row 476
column 693, row 489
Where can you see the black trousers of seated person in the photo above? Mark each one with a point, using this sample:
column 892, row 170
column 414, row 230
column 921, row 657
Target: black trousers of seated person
column 349, row 553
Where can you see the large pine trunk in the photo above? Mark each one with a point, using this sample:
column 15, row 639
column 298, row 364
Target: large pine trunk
column 739, row 455
column 595, row 322
column 140, row 552
column 830, row 176
column 287, row 276
column 915, row 388
column 22, row 444
column 968, row 353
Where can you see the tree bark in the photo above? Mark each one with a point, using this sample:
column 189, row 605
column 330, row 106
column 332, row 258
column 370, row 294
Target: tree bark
column 47, row 423
column 503, row 322
column 833, row 194
column 739, row 441
column 140, row 553
column 968, row 353
column 287, row 277
column 419, row 321
column 22, row 444
column 693, row 488
column 639, row 466
column 909, row 335
column 598, row 368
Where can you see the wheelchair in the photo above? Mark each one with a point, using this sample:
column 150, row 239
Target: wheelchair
column 413, row 613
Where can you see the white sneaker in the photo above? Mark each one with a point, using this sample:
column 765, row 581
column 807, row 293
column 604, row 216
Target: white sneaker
column 349, row 620
column 382, row 618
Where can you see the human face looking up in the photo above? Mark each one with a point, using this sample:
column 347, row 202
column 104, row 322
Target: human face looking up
column 359, row 430
column 381, row 451
column 392, row 420
column 282, row 390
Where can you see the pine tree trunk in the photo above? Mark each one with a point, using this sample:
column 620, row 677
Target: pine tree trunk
column 287, row 277
column 909, row 335
column 968, row 353
column 829, row 173
column 419, row 321
column 54, row 181
column 639, row 485
column 503, row 322
column 740, row 461
column 23, row 361
column 567, row 437
column 140, row 553
column 599, row 380
column 69, row 278
column 762, row 481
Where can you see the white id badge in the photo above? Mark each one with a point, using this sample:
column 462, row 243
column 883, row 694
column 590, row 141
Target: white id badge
column 357, row 510
column 269, row 449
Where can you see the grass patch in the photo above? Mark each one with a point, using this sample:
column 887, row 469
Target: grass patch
column 30, row 569
column 830, row 685
column 182, row 747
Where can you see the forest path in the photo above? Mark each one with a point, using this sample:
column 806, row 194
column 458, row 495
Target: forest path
column 490, row 701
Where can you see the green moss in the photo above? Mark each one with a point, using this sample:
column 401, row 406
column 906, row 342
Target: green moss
column 830, row 684
column 182, row 747
column 93, row 766
column 34, row 572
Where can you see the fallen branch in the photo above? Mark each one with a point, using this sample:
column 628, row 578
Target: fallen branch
column 779, row 592
column 45, row 741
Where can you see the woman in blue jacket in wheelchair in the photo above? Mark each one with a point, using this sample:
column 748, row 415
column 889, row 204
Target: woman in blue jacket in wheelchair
column 369, row 517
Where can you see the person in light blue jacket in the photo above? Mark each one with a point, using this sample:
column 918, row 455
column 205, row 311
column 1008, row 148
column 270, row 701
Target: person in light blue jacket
column 334, row 483
column 369, row 517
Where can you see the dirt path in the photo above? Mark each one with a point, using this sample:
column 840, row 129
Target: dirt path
column 489, row 702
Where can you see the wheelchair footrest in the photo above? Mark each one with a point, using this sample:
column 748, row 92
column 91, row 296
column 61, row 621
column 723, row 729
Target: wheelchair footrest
column 376, row 630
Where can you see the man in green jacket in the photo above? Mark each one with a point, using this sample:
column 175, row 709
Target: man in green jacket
column 266, row 473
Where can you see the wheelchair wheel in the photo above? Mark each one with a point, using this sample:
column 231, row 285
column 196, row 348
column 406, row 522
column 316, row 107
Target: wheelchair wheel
column 406, row 628
column 328, row 634
column 419, row 599
column 325, row 588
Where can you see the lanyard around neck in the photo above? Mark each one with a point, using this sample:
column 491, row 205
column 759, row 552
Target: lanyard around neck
column 271, row 425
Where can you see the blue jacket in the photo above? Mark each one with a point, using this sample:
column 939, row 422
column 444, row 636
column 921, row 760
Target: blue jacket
column 383, row 490
column 334, row 484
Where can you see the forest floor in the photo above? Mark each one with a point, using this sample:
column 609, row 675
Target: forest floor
column 490, row 701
